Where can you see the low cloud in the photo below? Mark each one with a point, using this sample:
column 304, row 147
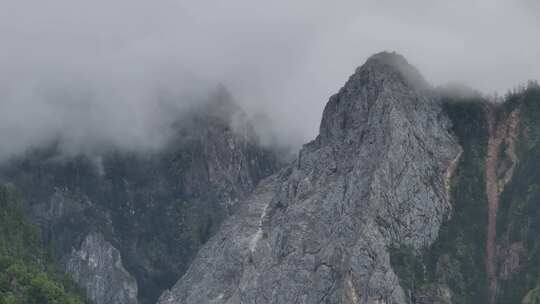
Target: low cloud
column 98, row 73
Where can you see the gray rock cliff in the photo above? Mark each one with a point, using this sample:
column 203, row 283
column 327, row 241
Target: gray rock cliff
column 97, row 267
column 319, row 231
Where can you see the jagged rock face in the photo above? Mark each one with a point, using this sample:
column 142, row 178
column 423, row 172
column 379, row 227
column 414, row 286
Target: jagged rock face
column 318, row 231
column 156, row 209
column 97, row 267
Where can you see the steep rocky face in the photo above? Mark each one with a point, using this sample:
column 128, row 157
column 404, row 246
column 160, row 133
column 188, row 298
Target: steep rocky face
column 97, row 267
column 319, row 231
column 142, row 216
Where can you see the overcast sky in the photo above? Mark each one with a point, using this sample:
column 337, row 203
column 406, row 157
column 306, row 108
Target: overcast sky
column 89, row 70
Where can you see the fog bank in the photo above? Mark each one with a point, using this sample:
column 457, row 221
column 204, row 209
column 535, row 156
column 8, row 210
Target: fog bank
column 97, row 73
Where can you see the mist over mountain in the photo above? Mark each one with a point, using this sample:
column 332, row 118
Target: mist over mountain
column 194, row 152
column 95, row 73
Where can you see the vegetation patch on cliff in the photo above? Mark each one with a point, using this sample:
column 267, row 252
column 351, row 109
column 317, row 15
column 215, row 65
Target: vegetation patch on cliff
column 456, row 259
column 518, row 225
column 27, row 275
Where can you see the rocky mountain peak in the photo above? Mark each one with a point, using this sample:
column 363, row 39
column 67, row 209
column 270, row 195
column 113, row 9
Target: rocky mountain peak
column 319, row 230
column 218, row 107
column 215, row 117
column 386, row 81
column 395, row 67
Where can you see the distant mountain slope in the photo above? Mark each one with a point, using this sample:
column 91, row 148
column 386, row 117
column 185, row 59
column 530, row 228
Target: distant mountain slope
column 142, row 217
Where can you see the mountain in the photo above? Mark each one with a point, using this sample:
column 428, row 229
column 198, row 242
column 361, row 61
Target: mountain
column 377, row 176
column 409, row 194
column 125, row 225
